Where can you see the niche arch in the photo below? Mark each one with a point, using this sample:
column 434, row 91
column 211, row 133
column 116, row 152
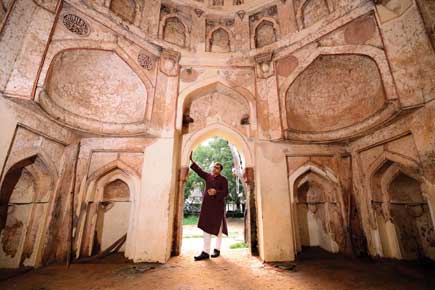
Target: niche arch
column 399, row 208
column 177, row 33
column 331, row 236
column 266, row 27
column 94, row 200
column 222, row 35
column 26, row 191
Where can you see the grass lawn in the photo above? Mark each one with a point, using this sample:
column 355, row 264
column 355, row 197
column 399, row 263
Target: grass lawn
column 239, row 245
column 190, row 220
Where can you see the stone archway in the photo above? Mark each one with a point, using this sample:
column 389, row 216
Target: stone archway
column 245, row 148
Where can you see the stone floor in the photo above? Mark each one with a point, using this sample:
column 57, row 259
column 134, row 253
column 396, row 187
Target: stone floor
column 235, row 269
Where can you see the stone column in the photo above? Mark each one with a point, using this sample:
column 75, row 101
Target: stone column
column 165, row 97
column 183, row 174
column 274, row 214
column 406, row 42
column 269, row 120
column 251, row 218
column 8, row 124
column 154, row 225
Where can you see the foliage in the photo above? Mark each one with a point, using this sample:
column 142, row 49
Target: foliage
column 190, row 220
column 238, row 246
column 216, row 150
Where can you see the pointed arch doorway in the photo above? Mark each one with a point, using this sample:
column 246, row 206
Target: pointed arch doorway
column 189, row 143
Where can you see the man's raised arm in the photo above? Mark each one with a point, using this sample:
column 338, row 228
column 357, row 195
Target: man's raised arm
column 198, row 169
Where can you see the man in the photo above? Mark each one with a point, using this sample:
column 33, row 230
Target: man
column 212, row 217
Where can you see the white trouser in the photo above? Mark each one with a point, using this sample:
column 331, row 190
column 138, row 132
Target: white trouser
column 207, row 241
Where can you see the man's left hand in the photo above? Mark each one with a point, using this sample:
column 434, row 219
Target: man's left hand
column 211, row 191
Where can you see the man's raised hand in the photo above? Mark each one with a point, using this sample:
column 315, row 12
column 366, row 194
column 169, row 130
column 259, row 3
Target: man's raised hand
column 211, row 191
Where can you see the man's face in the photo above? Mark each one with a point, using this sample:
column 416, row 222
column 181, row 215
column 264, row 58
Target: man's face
column 216, row 169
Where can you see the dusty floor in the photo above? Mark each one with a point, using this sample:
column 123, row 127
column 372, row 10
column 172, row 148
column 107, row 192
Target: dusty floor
column 236, row 269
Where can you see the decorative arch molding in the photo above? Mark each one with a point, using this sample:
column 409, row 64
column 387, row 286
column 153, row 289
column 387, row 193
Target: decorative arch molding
column 217, row 129
column 187, row 29
column 210, row 37
column 84, row 44
column 210, row 85
column 116, row 164
column 262, row 20
column 399, row 162
column 322, row 171
column 28, row 153
column 408, row 165
column 301, row 8
column 82, row 123
column 390, row 109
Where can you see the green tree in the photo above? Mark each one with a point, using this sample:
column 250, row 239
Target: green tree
column 216, row 150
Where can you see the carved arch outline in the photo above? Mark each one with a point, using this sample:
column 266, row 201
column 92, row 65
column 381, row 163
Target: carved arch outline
column 85, row 124
column 390, row 109
column 187, row 29
column 210, row 37
column 260, row 22
column 211, row 84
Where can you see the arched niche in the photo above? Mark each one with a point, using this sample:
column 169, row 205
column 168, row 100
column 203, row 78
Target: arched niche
column 410, row 214
column 113, row 214
column 401, row 211
column 174, row 31
column 219, row 40
column 265, row 33
column 24, row 195
column 109, row 210
column 81, row 120
column 334, row 92
column 126, row 9
column 318, row 214
column 94, row 89
column 317, row 208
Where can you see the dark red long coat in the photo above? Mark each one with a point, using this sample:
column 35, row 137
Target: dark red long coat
column 213, row 206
